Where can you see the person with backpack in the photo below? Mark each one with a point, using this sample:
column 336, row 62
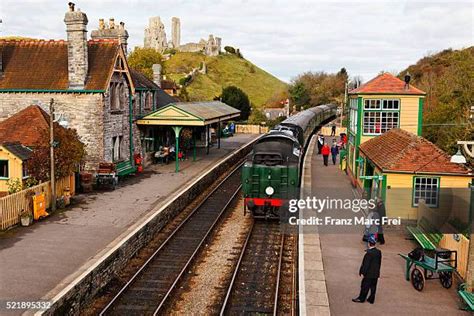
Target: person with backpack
column 370, row 273
column 325, row 150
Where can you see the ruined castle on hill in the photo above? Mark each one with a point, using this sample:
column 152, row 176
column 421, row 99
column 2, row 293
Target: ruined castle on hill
column 155, row 37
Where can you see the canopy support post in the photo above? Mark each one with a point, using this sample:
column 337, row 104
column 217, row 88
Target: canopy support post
column 207, row 139
column 177, row 131
column 194, row 145
column 219, row 134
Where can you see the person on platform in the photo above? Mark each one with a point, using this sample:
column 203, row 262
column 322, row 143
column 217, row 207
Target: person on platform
column 320, row 143
column 334, row 152
column 370, row 272
column 333, row 129
column 382, row 213
column 325, row 150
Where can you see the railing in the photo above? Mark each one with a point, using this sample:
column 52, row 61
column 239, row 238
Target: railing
column 11, row 206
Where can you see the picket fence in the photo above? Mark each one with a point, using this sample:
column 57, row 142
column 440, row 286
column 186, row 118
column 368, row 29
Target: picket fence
column 11, row 206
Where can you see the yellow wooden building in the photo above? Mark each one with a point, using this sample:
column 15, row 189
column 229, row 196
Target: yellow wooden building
column 13, row 157
column 383, row 103
column 402, row 168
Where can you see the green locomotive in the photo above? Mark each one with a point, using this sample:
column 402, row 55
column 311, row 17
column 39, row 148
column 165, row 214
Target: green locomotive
column 271, row 177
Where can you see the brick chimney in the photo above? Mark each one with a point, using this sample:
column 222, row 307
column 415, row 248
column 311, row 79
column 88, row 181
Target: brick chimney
column 157, row 74
column 76, row 28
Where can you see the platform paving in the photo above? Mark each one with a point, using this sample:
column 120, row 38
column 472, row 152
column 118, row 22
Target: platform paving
column 35, row 259
column 342, row 251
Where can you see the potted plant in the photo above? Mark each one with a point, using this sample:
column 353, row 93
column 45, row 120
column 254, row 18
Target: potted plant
column 26, row 218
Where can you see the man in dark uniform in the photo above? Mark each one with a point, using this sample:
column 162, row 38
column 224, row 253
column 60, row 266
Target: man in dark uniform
column 370, row 271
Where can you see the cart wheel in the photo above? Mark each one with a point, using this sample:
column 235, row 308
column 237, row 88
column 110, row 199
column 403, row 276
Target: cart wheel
column 446, row 279
column 417, row 279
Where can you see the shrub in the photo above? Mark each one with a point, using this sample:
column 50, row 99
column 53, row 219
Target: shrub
column 229, row 49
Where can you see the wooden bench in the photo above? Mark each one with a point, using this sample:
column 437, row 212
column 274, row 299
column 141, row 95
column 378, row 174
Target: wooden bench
column 125, row 168
column 468, row 298
column 425, row 234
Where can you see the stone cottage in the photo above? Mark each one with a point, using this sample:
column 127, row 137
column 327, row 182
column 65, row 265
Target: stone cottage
column 89, row 80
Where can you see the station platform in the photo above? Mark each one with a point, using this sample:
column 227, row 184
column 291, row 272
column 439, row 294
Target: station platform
column 38, row 261
column 331, row 257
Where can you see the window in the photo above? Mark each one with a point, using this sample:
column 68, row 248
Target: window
column 116, row 148
column 4, row 169
column 120, row 96
column 24, row 166
column 380, row 116
column 426, row 189
column 113, row 97
column 390, row 104
column 371, row 104
column 353, row 115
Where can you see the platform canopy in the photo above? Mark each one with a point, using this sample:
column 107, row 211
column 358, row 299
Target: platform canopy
column 190, row 114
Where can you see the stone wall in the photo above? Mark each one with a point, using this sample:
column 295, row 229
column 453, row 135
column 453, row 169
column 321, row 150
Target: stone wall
column 83, row 111
column 116, row 121
column 85, row 287
column 89, row 113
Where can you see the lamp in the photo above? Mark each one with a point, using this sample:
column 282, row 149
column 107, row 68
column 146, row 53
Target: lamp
column 458, row 157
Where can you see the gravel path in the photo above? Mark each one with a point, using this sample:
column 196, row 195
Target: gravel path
column 208, row 282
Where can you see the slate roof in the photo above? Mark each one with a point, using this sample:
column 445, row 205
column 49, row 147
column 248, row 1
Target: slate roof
column 386, row 83
column 42, row 65
column 18, row 150
column 140, row 81
column 168, row 84
column 399, row 150
column 27, row 127
column 207, row 110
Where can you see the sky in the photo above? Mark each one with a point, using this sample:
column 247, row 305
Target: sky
column 285, row 38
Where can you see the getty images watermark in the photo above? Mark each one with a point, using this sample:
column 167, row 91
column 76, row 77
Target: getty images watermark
column 343, row 215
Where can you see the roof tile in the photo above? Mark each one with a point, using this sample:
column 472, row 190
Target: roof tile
column 43, row 65
column 399, row 150
column 386, row 83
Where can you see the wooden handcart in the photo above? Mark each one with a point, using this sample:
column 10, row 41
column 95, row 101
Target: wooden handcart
column 107, row 175
column 440, row 267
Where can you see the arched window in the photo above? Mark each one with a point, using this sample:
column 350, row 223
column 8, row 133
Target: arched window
column 112, row 98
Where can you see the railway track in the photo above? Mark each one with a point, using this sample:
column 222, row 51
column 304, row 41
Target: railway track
column 148, row 291
column 264, row 274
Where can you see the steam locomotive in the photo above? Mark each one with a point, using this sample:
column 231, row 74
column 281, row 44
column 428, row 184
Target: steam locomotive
column 271, row 176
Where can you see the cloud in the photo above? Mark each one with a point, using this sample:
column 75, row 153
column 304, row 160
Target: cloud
column 283, row 37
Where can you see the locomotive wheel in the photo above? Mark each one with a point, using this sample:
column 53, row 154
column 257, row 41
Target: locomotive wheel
column 446, row 279
column 417, row 279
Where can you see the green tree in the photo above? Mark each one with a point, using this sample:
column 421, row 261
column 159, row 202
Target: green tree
column 238, row 99
column 143, row 59
column 299, row 95
column 229, row 49
column 448, row 80
column 68, row 153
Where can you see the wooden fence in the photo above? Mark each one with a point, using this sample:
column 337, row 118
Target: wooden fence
column 459, row 243
column 12, row 205
column 250, row 129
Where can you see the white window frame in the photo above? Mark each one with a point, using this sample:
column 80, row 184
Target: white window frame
column 383, row 114
column 427, row 189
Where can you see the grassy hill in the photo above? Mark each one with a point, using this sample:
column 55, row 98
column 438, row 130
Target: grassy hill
column 223, row 71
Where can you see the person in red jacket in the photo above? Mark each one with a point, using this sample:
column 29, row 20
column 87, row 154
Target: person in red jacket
column 326, row 151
